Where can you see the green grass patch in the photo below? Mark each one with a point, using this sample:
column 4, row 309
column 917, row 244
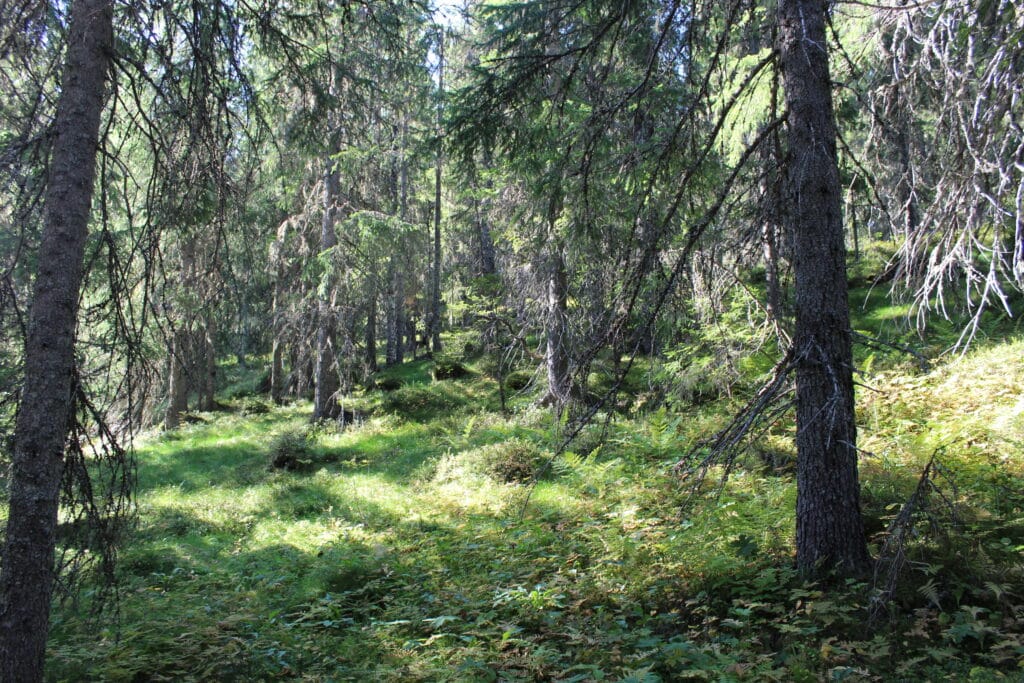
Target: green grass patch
column 438, row 541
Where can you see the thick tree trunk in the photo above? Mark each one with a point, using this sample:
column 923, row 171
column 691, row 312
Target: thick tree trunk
column 830, row 532
column 26, row 580
column 325, row 404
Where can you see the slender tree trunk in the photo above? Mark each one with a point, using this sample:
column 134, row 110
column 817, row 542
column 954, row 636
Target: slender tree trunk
column 434, row 330
column 771, row 210
column 277, row 371
column 557, row 350
column 395, row 322
column 277, row 348
column 488, row 260
column 325, row 404
column 371, row 330
column 829, row 528
column 208, row 387
column 395, row 351
column 27, row 576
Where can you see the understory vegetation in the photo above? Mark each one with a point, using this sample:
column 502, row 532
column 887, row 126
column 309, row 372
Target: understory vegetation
column 439, row 538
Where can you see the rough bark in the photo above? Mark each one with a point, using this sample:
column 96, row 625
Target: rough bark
column 557, row 349
column 325, row 380
column 434, row 325
column 177, row 379
column 771, row 210
column 208, row 386
column 277, row 372
column 27, row 577
column 830, row 531
column 395, row 351
column 482, row 209
column 370, row 338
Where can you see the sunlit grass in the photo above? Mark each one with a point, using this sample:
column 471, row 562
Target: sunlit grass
column 420, row 546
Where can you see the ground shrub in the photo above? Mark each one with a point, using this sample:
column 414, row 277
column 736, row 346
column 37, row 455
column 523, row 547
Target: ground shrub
column 515, row 461
column 291, row 450
column 519, row 379
column 446, row 367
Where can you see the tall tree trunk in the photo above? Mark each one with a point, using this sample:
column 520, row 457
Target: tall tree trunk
column 395, row 323
column 481, row 207
column 434, row 319
column 829, row 528
column 557, row 350
column 325, row 404
column 208, row 386
column 177, row 379
column 771, row 210
column 27, row 576
column 395, row 351
column 277, row 349
column 772, row 215
column 371, row 329
column 277, row 371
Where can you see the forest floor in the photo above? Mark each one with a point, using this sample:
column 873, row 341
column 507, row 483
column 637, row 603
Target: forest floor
column 418, row 545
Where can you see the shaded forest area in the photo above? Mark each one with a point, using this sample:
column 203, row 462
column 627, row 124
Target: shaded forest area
column 558, row 340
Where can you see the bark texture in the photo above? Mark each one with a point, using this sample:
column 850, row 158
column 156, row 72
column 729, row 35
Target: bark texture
column 830, row 531
column 434, row 322
column 557, row 349
column 177, row 379
column 207, row 394
column 26, row 581
column 325, row 404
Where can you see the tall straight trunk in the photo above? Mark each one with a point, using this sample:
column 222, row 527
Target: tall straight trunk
column 370, row 337
column 829, row 528
column 27, row 576
column 395, row 323
column 771, row 210
column 177, row 379
column 325, row 380
column 278, row 350
column 771, row 216
column 898, row 131
column 208, row 358
column 434, row 330
column 481, row 207
column 557, row 349
column 277, row 371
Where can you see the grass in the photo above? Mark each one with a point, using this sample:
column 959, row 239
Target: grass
column 405, row 552
column 418, row 545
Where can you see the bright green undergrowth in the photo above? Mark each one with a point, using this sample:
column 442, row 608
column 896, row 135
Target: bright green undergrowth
column 438, row 540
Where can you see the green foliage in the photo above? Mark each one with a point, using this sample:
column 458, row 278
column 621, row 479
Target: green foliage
column 513, row 461
column 290, row 450
column 405, row 548
column 447, row 367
